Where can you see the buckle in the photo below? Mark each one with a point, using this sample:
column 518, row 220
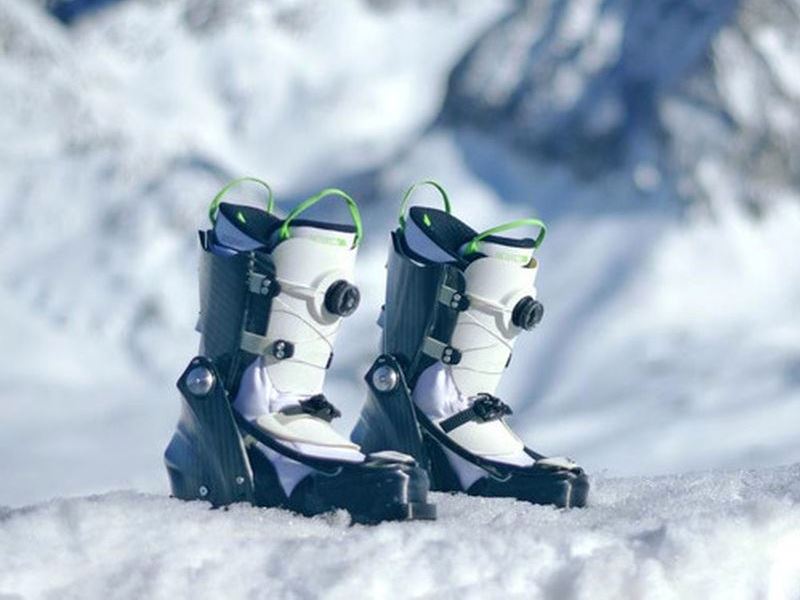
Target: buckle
column 489, row 408
column 484, row 408
column 319, row 407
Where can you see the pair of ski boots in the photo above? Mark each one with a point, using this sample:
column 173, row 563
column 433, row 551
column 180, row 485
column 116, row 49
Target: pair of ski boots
column 255, row 426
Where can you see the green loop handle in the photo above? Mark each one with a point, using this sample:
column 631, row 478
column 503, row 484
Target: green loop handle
column 409, row 191
column 472, row 246
column 308, row 202
column 213, row 208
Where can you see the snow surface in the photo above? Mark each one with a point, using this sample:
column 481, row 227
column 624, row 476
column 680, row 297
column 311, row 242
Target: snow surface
column 725, row 536
column 671, row 341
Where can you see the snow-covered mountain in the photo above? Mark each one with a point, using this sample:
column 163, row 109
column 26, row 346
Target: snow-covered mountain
column 667, row 327
column 676, row 93
column 658, row 140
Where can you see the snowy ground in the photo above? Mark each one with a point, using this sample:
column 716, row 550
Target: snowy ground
column 725, row 536
column 671, row 341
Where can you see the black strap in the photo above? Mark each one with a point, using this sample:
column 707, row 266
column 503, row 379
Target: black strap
column 496, row 470
column 438, row 350
column 257, row 307
column 262, row 287
column 485, row 408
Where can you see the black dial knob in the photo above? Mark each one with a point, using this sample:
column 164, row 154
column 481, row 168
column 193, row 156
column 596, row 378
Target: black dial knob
column 342, row 298
column 527, row 313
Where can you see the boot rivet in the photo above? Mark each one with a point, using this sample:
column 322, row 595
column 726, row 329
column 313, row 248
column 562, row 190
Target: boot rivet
column 282, row 349
column 239, row 480
column 203, row 491
column 199, row 381
column 385, row 378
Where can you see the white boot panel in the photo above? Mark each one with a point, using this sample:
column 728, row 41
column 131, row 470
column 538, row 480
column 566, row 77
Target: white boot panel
column 484, row 332
column 306, row 265
column 303, row 428
column 438, row 397
column 494, row 284
column 485, row 336
column 518, row 255
column 259, row 401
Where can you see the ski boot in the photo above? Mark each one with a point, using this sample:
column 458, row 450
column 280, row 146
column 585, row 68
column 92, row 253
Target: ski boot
column 456, row 300
column 255, row 426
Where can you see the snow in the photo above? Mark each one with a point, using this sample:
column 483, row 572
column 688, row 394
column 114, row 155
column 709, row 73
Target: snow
column 729, row 535
column 108, row 176
column 70, row 426
column 670, row 342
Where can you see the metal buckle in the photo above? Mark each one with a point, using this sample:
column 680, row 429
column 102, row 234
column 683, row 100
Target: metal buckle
column 489, row 408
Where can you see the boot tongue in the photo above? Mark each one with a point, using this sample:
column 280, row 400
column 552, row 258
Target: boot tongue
column 513, row 251
column 439, row 237
column 429, row 237
column 231, row 235
column 240, row 227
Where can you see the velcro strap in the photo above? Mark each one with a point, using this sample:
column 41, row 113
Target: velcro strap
column 465, row 359
column 285, row 350
column 453, row 298
column 441, row 351
column 485, row 408
column 457, row 420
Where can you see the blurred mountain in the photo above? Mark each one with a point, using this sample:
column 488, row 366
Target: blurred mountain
column 658, row 139
column 691, row 92
column 67, row 11
column 122, row 125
